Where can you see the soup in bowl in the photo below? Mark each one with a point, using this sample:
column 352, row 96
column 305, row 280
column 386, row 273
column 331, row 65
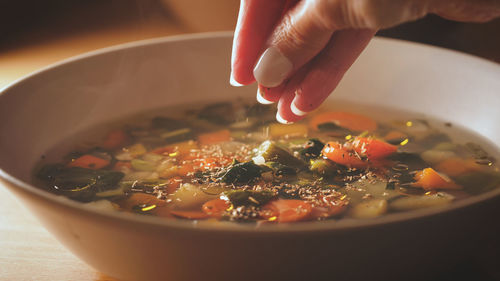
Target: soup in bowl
column 145, row 163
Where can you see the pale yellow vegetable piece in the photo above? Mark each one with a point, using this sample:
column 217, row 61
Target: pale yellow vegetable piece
column 370, row 208
column 422, row 201
column 279, row 130
column 190, row 196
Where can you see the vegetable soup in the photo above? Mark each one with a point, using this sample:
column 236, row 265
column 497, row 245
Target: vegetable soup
column 231, row 161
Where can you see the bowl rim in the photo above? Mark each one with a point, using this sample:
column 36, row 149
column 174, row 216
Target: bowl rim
column 302, row 227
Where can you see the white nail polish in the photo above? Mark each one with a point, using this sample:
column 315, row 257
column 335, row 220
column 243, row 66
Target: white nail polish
column 281, row 119
column 272, row 68
column 296, row 111
column 261, row 99
column 234, row 82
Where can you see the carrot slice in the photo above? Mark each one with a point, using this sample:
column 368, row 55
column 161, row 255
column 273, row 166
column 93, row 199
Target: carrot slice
column 115, row 139
column 192, row 215
column 351, row 121
column 338, row 154
column 429, row 179
column 373, row 148
column 216, row 207
column 173, row 184
column 214, row 137
column 185, row 169
column 286, row 210
column 89, row 161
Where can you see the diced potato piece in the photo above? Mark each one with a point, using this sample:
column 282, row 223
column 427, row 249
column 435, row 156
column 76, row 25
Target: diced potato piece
column 419, row 202
column 279, row 130
column 436, row 156
column 369, row 209
column 189, row 196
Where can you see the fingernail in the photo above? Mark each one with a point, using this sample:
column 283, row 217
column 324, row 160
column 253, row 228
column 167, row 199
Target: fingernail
column 272, row 68
column 281, row 119
column 261, row 99
column 295, row 110
column 234, row 82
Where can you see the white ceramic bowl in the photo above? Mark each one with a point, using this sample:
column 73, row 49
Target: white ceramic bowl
column 39, row 111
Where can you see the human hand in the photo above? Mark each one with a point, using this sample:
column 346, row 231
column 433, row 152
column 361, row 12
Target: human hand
column 298, row 50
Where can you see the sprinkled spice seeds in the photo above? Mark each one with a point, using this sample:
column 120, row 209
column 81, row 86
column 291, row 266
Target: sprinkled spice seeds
column 232, row 162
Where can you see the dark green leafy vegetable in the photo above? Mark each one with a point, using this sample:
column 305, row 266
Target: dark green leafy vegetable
column 273, row 153
column 177, row 135
column 240, row 173
column 219, row 113
column 249, row 197
column 168, row 123
column 79, row 183
column 280, row 169
column 311, row 150
column 333, row 129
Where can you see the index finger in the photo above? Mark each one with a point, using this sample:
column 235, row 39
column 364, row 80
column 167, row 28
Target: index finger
column 256, row 21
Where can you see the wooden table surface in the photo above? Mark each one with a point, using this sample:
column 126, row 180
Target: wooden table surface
column 27, row 250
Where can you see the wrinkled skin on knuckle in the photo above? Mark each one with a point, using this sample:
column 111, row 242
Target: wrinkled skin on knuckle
column 467, row 10
column 292, row 36
column 372, row 14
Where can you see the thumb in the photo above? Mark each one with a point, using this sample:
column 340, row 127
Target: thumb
column 306, row 29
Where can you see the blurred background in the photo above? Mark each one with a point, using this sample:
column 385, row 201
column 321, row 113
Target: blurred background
column 36, row 33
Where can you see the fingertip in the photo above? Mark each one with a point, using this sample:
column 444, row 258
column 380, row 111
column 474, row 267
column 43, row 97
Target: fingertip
column 295, row 110
column 261, row 99
column 282, row 120
column 233, row 82
column 284, row 110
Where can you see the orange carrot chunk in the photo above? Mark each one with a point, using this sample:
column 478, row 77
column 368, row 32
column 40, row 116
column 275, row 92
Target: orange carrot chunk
column 429, row 179
column 351, row 121
column 115, row 139
column 214, row 137
column 286, row 210
column 373, row 148
column 89, row 161
column 216, row 207
column 173, row 184
column 338, row 154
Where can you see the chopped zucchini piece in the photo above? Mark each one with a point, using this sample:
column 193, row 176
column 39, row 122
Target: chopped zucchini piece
column 271, row 152
column 240, row 173
column 323, row 167
column 249, row 197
